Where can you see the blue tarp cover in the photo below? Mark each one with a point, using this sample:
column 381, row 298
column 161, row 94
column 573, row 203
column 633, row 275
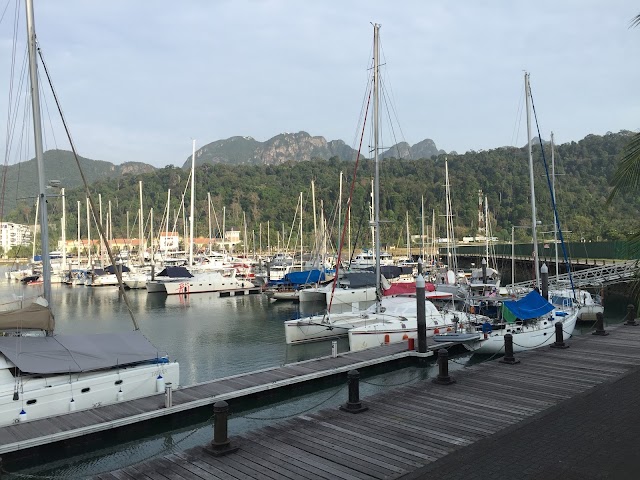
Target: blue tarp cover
column 533, row 305
column 295, row 279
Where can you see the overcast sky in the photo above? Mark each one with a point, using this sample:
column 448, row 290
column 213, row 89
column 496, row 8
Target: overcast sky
column 139, row 79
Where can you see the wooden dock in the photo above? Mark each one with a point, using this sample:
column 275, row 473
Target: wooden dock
column 23, row 439
column 410, row 427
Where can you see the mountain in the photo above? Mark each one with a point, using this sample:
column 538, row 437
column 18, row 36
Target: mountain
column 21, row 179
column 294, row 147
column 424, row 149
column 268, row 193
column 286, row 147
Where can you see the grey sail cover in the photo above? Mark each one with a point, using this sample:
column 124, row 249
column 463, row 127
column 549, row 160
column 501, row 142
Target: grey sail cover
column 77, row 353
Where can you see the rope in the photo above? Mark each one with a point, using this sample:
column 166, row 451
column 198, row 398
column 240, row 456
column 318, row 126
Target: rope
column 163, row 451
column 413, row 379
column 249, row 417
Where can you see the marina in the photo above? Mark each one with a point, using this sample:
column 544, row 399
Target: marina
column 325, row 354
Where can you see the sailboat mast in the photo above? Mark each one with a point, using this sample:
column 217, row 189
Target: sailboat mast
column 422, row 227
column 140, row 226
column 209, row 218
column 486, row 228
column 37, row 137
column 376, row 101
column 527, row 93
column 408, row 238
column 89, row 265
column 191, row 210
column 78, row 243
column 301, row 241
column 64, row 231
column 553, row 193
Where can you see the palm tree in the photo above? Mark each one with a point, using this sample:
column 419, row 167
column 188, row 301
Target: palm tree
column 627, row 175
column 627, row 178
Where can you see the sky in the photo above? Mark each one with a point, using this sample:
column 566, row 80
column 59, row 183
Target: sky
column 138, row 80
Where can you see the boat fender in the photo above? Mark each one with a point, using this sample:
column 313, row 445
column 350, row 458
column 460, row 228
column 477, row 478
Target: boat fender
column 159, row 384
column 72, row 405
column 436, row 331
column 120, row 395
column 23, row 416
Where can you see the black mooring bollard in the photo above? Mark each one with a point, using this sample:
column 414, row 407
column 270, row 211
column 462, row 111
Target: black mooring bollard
column 221, row 445
column 559, row 343
column 600, row 325
column 508, row 358
column 443, row 377
column 631, row 316
column 354, row 405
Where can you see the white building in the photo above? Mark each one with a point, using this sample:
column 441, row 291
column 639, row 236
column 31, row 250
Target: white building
column 13, row 235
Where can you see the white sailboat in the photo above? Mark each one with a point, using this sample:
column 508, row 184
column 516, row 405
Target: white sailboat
column 43, row 374
column 535, row 318
column 346, row 288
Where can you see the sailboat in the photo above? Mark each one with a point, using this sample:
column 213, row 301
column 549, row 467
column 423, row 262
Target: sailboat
column 532, row 319
column 343, row 288
column 43, row 374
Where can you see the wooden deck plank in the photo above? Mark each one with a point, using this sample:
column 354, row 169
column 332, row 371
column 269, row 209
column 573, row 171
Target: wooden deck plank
column 309, row 463
column 355, row 463
column 385, row 451
column 177, row 469
column 312, row 458
column 365, row 431
column 394, row 432
column 253, row 452
column 188, row 465
column 212, row 471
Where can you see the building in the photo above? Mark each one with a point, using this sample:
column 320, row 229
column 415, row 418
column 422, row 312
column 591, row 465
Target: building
column 15, row 234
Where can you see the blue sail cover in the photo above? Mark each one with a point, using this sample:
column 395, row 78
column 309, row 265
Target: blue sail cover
column 295, row 279
column 533, row 305
column 306, row 276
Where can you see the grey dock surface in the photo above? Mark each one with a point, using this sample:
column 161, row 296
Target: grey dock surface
column 16, row 439
column 549, row 416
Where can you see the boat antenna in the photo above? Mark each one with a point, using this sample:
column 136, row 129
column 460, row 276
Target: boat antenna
column 89, row 198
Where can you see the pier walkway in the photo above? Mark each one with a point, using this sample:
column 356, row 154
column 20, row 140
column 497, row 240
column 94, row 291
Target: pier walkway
column 560, row 413
column 22, row 439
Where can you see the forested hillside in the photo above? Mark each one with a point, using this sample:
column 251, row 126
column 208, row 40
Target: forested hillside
column 270, row 193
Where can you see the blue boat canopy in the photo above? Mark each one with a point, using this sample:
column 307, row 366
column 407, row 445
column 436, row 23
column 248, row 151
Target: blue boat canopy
column 296, row 279
column 533, row 305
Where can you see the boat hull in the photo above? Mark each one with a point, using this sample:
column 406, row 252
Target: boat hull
column 525, row 338
column 53, row 394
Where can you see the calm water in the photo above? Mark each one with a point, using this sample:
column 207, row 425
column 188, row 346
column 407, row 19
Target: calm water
column 211, row 338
